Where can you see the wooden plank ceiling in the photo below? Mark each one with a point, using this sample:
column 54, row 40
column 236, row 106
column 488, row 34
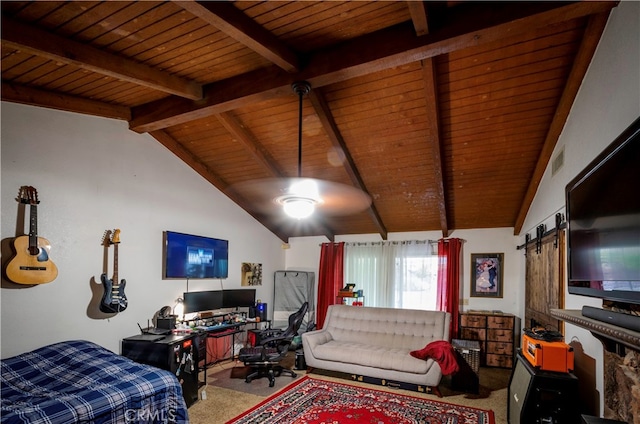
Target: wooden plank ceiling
column 445, row 113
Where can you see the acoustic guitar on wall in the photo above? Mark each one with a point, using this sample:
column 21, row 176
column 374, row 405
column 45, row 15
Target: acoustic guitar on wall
column 31, row 263
column 113, row 299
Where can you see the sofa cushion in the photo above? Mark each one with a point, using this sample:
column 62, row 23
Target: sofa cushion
column 372, row 356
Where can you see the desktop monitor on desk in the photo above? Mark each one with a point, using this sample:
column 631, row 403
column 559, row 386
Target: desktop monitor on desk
column 240, row 298
column 202, row 301
column 211, row 300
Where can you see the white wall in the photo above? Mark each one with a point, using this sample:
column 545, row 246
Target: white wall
column 94, row 174
column 304, row 254
column 607, row 103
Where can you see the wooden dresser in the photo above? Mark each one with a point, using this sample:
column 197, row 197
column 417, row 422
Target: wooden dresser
column 495, row 332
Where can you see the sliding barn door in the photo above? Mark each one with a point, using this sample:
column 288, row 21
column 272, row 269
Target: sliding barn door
column 544, row 281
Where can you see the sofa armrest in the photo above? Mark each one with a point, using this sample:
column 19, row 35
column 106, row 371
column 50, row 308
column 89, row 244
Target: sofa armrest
column 311, row 339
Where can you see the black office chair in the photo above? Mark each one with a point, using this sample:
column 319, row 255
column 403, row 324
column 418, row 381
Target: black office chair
column 264, row 359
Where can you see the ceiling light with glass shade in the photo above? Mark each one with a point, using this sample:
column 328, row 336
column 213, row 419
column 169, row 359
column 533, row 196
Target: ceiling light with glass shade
column 301, row 197
column 301, row 200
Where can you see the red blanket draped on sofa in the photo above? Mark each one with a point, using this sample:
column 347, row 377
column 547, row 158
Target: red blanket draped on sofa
column 440, row 351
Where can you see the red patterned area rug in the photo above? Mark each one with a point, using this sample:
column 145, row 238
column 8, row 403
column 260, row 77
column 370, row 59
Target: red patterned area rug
column 312, row 401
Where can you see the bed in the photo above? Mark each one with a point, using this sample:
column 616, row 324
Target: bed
column 80, row 382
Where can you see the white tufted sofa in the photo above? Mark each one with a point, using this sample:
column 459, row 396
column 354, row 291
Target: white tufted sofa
column 375, row 342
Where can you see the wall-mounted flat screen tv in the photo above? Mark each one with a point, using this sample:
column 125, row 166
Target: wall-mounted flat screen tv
column 187, row 256
column 603, row 211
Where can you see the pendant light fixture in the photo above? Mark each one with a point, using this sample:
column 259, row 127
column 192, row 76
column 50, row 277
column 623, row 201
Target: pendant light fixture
column 301, row 197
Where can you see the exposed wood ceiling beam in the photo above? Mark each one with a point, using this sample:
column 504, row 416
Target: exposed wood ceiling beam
column 396, row 46
column 324, row 229
column 433, row 138
column 418, row 12
column 593, row 32
column 331, row 129
column 42, row 43
column 35, row 97
column 236, row 129
column 237, row 25
column 187, row 157
column 177, row 149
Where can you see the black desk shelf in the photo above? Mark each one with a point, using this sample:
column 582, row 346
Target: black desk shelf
column 168, row 353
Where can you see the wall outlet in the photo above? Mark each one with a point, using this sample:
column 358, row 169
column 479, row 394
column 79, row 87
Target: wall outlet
column 465, row 302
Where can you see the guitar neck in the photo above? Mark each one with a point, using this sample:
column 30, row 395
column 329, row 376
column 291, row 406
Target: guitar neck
column 33, row 230
column 115, row 265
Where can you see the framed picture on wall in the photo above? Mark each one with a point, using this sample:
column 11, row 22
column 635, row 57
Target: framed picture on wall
column 486, row 274
column 251, row 274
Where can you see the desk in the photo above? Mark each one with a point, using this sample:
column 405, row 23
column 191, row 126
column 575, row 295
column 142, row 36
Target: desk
column 178, row 353
column 217, row 340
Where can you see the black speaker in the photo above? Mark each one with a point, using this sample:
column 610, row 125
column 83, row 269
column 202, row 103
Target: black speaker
column 261, row 311
column 541, row 397
column 166, row 323
column 252, row 311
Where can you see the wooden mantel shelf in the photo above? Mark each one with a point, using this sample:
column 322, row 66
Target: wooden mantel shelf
column 599, row 329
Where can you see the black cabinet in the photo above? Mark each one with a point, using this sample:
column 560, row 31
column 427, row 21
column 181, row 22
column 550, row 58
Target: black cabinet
column 537, row 396
column 179, row 354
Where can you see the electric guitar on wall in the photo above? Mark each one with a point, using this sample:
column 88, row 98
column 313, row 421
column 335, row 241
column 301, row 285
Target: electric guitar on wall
column 113, row 299
column 31, row 263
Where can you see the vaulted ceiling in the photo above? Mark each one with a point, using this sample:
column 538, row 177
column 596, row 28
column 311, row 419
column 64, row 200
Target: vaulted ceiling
column 445, row 113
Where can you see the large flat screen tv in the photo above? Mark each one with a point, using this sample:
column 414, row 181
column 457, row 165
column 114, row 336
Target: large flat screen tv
column 186, row 256
column 603, row 213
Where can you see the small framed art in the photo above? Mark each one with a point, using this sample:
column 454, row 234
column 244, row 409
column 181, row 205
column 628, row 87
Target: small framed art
column 486, row 274
column 251, row 274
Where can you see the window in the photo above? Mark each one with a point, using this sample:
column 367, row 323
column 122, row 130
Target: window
column 394, row 274
column 416, row 282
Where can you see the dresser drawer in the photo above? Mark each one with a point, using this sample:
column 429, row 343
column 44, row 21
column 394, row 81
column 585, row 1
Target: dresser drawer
column 470, row 333
column 500, row 348
column 504, row 361
column 495, row 332
column 500, row 322
column 478, row 321
column 500, row 335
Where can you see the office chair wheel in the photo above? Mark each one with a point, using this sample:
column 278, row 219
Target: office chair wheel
column 248, row 380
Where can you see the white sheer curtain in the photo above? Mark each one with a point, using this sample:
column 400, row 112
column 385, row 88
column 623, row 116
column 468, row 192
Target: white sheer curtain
column 366, row 267
column 393, row 274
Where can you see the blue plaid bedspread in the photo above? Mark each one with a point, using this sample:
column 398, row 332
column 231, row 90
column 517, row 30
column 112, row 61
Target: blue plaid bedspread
column 81, row 382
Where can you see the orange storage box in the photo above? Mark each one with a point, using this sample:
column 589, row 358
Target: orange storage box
column 548, row 356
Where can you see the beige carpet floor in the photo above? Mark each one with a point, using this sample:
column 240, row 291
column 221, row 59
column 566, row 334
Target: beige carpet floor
column 227, row 394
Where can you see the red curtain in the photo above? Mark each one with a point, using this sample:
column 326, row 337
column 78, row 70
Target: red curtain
column 330, row 278
column 449, row 281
